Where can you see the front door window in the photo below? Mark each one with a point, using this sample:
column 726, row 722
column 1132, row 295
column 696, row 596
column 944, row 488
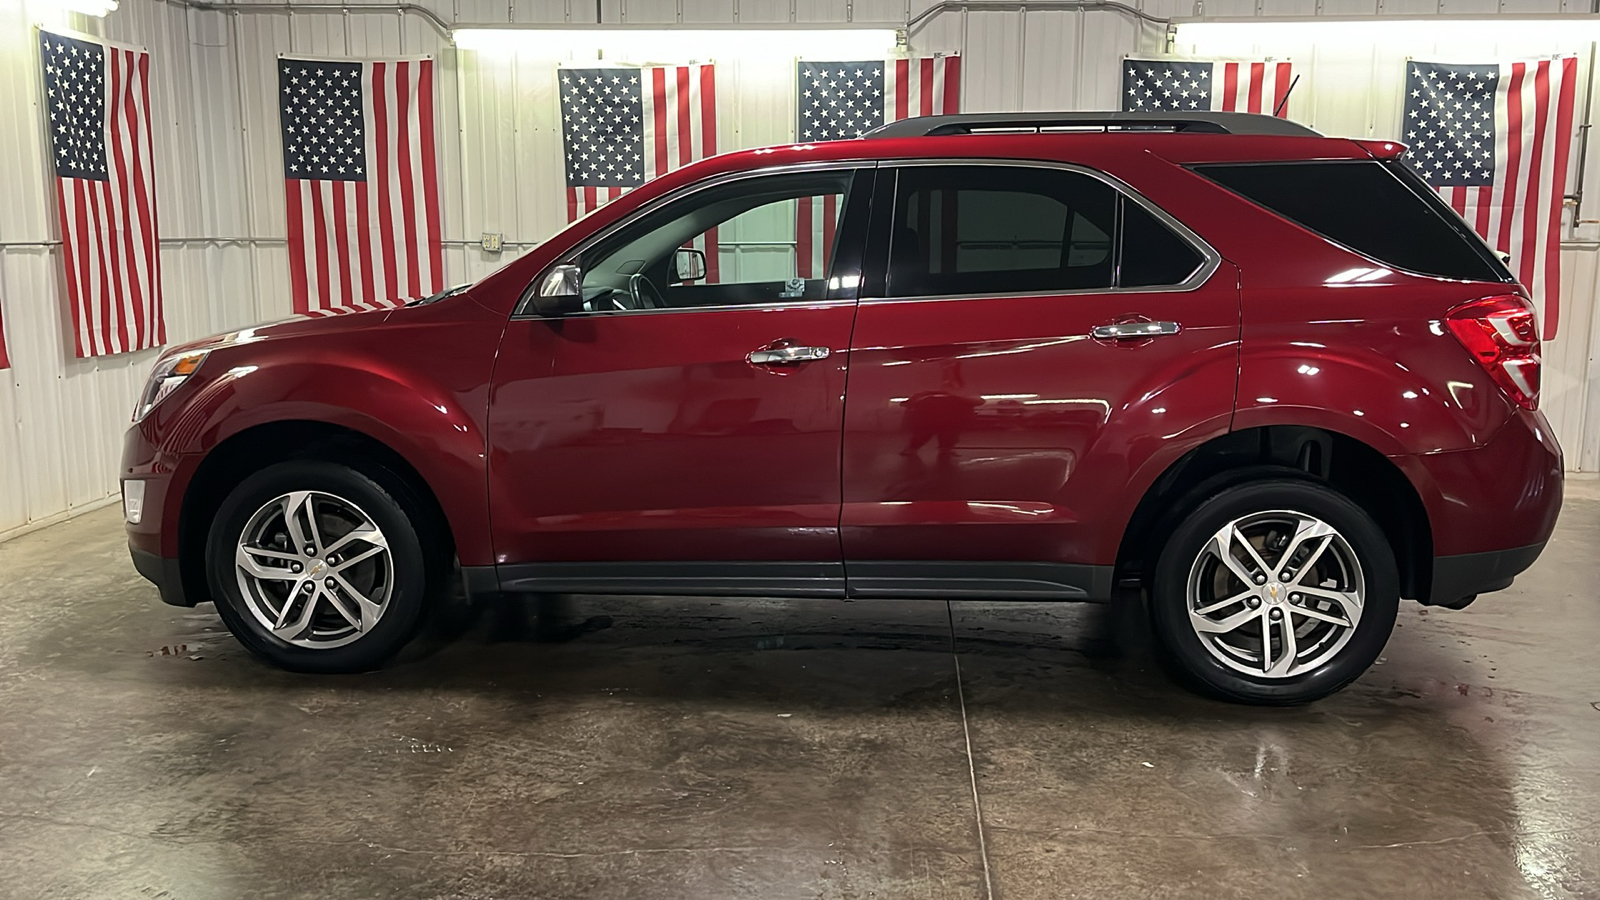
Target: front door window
column 751, row 242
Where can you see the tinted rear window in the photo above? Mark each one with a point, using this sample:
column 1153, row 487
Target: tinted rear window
column 1370, row 207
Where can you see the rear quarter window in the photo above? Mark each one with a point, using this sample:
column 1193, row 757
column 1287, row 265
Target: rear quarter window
column 1375, row 208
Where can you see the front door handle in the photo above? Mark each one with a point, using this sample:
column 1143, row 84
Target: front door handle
column 786, row 354
column 1123, row 331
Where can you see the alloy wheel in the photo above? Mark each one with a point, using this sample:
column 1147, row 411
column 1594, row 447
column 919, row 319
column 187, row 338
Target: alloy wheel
column 314, row 569
column 1275, row 594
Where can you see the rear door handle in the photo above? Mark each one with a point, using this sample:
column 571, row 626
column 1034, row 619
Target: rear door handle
column 1122, row 331
column 784, row 355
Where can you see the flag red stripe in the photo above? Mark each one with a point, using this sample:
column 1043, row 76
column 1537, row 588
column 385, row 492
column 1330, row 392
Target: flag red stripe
column 363, row 245
column 1230, row 86
column 902, row 80
column 708, row 142
column 408, row 202
column 1508, row 196
column 118, row 301
column 1258, row 72
column 1558, row 187
column 925, row 89
column 430, row 176
column 658, row 85
column 81, row 241
column 320, row 244
column 341, row 240
column 1458, row 200
column 572, row 204
column 98, row 195
column 952, row 85
column 1280, row 90
column 297, row 245
column 380, row 173
column 74, row 270
column 685, row 120
column 1485, row 201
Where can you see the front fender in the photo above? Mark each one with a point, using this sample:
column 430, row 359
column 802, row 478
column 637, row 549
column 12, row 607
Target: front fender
column 420, row 388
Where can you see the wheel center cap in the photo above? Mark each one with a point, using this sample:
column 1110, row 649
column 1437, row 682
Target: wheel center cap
column 1276, row 593
column 318, row 568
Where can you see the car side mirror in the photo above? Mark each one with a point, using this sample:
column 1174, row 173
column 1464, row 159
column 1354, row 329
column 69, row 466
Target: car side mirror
column 560, row 292
column 688, row 265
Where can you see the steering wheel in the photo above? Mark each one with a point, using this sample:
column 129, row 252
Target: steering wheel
column 644, row 294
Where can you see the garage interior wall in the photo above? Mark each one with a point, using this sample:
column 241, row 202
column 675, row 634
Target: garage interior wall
column 221, row 197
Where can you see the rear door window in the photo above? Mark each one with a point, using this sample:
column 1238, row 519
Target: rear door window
column 975, row 230
column 1375, row 208
column 1000, row 229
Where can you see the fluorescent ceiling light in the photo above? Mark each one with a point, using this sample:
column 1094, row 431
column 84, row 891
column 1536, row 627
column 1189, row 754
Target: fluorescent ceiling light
column 673, row 44
column 1432, row 31
column 88, row 7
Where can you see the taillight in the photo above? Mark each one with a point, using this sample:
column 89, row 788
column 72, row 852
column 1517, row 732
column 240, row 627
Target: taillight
column 1503, row 335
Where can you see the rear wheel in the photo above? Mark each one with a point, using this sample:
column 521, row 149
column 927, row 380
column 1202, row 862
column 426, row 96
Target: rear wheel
column 1276, row 591
column 316, row 567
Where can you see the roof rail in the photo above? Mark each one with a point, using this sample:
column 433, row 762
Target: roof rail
column 1069, row 122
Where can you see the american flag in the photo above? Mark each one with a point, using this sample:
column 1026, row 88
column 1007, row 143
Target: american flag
column 1181, row 85
column 1495, row 141
column 361, row 181
column 623, row 126
column 98, row 101
column 843, row 100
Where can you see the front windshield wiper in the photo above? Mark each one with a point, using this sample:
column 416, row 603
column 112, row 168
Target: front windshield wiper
column 447, row 292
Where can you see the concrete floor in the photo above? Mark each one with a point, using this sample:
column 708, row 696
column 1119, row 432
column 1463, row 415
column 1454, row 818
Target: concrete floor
column 710, row 748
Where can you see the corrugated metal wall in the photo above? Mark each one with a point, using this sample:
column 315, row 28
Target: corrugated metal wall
column 224, row 260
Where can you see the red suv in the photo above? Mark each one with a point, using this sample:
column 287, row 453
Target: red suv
column 1265, row 377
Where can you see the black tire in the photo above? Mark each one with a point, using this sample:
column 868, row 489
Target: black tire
column 1183, row 648
column 383, row 499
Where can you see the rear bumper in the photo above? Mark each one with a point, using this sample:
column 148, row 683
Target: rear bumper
column 1458, row 580
column 1502, row 496
column 163, row 573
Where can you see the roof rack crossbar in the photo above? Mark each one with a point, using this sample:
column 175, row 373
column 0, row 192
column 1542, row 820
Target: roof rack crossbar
column 1068, row 122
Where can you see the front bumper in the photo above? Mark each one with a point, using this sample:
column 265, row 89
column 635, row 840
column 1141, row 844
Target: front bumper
column 1458, row 580
column 153, row 540
column 163, row 573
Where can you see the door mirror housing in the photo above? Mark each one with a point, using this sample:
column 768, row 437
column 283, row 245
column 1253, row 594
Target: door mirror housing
column 560, row 292
column 688, row 264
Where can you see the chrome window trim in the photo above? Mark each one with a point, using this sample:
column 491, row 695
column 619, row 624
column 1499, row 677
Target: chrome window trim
column 524, row 308
column 1211, row 260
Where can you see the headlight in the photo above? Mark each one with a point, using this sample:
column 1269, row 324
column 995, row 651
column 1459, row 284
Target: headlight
column 169, row 373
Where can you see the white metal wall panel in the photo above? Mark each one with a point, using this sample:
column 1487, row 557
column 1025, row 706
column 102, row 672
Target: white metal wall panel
column 63, row 417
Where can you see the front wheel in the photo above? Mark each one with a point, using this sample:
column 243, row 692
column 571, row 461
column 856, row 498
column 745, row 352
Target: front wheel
column 1276, row 591
column 316, row 567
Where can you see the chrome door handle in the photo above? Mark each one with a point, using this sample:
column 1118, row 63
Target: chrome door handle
column 777, row 356
column 1129, row 330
